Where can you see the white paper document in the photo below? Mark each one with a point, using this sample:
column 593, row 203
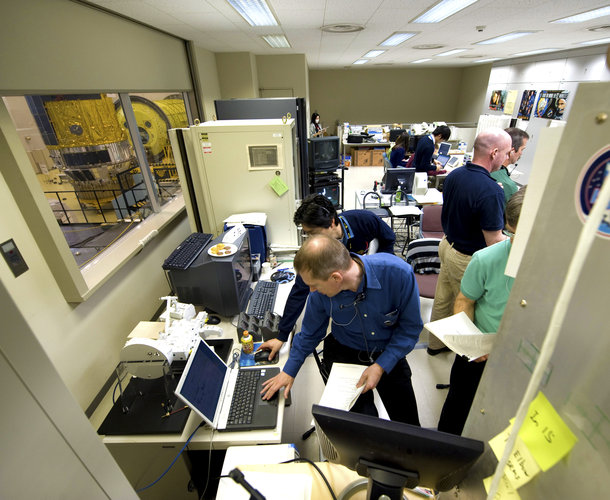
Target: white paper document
column 462, row 336
column 341, row 392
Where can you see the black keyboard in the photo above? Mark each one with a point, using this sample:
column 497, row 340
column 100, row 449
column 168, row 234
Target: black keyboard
column 242, row 404
column 263, row 298
column 185, row 253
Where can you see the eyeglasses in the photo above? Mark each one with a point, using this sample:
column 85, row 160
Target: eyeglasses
column 508, row 233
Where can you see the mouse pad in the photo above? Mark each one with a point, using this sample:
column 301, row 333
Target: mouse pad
column 248, row 359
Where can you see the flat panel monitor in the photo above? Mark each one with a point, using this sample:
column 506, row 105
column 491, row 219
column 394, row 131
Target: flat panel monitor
column 398, row 176
column 394, row 455
column 324, row 153
column 220, row 284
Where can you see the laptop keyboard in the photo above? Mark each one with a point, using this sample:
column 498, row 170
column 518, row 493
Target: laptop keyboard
column 244, row 395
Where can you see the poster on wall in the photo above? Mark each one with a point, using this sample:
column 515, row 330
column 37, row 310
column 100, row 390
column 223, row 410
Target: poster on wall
column 551, row 104
column 527, row 104
column 511, row 99
column 498, row 98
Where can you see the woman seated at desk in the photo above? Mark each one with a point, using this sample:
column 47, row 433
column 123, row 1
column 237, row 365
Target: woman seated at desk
column 399, row 150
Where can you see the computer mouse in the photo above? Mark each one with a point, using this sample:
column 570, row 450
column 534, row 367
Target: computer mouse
column 262, row 356
column 213, row 320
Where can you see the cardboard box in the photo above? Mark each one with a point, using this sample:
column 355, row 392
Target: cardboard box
column 362, row 157
column 377, row 157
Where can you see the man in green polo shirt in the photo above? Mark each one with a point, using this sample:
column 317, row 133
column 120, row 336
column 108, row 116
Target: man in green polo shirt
column 519, row 138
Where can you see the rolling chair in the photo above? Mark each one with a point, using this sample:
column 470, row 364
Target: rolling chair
column 422, row 255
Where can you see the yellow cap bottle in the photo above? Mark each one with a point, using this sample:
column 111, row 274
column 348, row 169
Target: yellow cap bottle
column 247, row 342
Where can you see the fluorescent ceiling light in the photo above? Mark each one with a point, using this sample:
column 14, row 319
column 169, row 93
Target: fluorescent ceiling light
column 361, row 61
column 396, row 39
column 596, row 42
column 505, row 38
column 443, row 10
column 255, row 12
column 532, row 52
column 374, row 53
column 421, row 61
column 488, row 60
column 450, row 52
column 585, row 16
column 277, row 41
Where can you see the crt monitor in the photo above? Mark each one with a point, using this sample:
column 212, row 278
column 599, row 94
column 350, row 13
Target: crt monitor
column 398, row 176
column 394, row 455
column 395, row 133
column 330, row 191
column 324, row 153
column 220, row 284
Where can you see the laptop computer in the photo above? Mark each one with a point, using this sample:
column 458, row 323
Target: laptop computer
column 443, row 153
column 212, row 389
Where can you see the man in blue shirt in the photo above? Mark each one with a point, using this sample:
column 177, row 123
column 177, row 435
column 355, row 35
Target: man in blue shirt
column 472, row 218
column 425, row 150
column 354, row 228
column 373, row 304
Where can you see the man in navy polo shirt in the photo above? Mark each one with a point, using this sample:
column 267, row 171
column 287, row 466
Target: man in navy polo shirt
column 472, row 218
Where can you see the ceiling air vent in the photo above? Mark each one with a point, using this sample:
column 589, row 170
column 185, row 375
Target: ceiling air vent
column 342, row 28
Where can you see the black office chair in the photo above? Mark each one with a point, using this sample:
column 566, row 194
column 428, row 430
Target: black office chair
column 379, row 210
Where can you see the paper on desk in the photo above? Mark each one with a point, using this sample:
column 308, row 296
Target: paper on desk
column 253, row 218
column 462, row 336
column 272, row 486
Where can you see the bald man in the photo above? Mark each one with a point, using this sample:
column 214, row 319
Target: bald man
column 472, row 218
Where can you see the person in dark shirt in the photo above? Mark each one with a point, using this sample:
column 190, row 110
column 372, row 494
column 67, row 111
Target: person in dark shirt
column 354, row 228
column 425, row 149
column 398, row 152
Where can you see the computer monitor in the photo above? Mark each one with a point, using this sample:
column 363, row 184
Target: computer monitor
column 398, row 176
column 220, row 284
column 324, row 153
column 395, row 133
column 330, row 191
column 394, row 455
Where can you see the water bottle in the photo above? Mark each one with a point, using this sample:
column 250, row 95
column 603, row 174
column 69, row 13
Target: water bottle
column 398, row 196
column 247, row 342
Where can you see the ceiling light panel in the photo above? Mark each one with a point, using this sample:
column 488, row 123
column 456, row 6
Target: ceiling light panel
column 277, row 41
column 534, row 52
column 596, row 42
column 488, row 60
column 450, row 52
column 506, row 38
column 443, row 10
column 585, row 16
column 420, row 61
column 374, row 53
column 255, row 12
column 361, row 61
column 396, row 39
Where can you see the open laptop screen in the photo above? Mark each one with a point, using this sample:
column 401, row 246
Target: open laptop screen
column 201, row 383
column 443, row 149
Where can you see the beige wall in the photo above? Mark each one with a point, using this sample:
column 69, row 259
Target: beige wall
column 472, row 93
column 237, row 75
column 60, row 45
column 209, row 86
column 390, row 95
column 283, row 76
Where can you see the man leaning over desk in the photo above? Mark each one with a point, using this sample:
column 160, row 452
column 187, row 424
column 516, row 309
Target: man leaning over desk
column 353, row 228
column 373, row 304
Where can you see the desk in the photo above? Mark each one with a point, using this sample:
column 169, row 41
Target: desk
column 143, row 458
column 432, row 197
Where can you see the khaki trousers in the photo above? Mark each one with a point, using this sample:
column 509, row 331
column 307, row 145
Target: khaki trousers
column 453, row 265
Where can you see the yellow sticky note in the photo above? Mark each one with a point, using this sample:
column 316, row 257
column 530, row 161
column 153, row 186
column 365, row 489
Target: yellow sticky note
column 545, row 434
column 521, row 466
column 278, row 185
column 505, row 489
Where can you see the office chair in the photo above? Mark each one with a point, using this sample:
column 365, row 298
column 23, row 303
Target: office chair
column 430, row 225
column 379, row 211
column 422, row 255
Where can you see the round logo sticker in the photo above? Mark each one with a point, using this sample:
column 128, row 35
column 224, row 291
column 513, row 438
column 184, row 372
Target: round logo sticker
column 588, row 188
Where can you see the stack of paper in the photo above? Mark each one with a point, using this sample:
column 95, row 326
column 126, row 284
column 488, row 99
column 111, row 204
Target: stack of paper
column 461, row 335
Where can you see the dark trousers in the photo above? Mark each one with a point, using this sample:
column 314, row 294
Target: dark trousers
column 394, row 387
column 463, row 384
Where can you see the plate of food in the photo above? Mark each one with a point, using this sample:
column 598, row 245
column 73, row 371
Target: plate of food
column 222, row 250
